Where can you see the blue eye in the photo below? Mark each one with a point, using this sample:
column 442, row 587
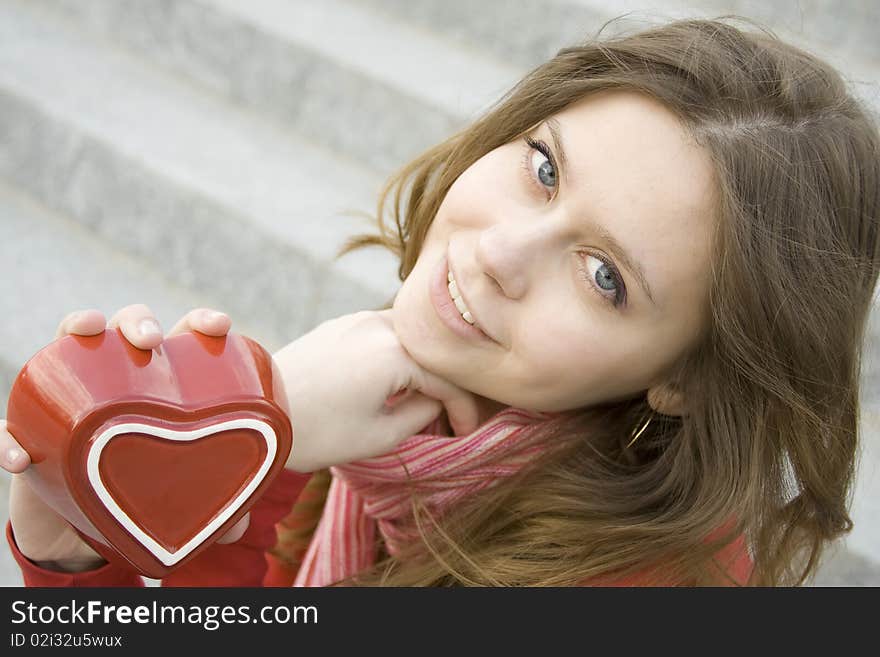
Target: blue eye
column 605, row 277
column 544, row 174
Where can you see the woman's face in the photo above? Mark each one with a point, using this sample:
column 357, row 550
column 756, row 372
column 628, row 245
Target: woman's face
column 548, row 249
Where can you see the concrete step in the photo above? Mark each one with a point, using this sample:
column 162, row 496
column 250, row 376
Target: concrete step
column 372, row 88
column 53, row 265
column 865, row 512
column 220, row 200
column 527, row 33
column 522, row 33
column 843, row 567
column 848, row 29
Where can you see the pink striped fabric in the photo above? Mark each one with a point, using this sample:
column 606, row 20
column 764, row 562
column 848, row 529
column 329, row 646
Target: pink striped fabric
column 375, row 494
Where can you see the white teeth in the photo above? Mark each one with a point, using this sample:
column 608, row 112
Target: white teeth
column 459, row 302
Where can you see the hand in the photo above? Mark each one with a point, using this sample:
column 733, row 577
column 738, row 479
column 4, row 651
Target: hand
column 41, row 534
column 338, row 379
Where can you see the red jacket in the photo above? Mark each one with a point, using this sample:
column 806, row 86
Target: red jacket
column 247, row 562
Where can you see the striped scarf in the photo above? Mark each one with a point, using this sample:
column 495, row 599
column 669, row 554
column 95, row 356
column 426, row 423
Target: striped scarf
column 375, row 494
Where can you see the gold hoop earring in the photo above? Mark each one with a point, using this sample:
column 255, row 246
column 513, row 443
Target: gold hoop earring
column 644, row 426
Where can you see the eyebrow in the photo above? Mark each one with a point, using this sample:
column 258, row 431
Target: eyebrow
column 614, row 245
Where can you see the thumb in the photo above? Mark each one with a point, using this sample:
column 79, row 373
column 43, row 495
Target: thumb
column 461, row 405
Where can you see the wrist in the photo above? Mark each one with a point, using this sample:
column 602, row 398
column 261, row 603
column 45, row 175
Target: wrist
column 78, row 565
column 68, row 553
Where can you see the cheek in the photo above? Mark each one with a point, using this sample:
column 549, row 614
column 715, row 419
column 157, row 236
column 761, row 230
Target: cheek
column 580, row 360
column 477, row 194
column 555, row 357
column 410, row 310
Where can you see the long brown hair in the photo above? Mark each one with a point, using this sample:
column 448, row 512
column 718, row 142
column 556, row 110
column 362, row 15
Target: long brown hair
column 767, row 448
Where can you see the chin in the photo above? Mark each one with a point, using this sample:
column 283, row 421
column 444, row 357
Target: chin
column 427, row 354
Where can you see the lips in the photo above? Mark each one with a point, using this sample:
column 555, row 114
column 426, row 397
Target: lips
column 153, row 454
column 446, row 309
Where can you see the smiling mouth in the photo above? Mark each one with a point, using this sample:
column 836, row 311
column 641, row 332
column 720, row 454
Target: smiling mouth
column 461, row 306
column 458, row 301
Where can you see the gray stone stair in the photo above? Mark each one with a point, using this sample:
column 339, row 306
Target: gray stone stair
column 303, row 62
column 527, row 33
column 185, row 153
column 220, row 199
column 60, row 265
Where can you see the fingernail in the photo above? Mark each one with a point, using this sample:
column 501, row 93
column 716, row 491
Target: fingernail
column 149, row 328
column 213, row 314
column 12, row 455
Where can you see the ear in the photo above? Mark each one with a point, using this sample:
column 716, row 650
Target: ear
column 667, row 400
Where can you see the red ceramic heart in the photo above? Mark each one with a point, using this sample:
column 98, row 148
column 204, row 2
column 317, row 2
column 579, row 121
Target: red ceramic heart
column 152, row 453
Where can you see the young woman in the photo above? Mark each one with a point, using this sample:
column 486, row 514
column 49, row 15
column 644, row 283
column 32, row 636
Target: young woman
column 639, row 285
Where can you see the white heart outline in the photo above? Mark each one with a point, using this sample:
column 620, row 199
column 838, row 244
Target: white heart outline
column 163, row 555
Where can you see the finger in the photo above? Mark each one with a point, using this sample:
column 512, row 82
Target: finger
column 398, row 396
column 13, row 457
column 81, row 322
column 237, row 531
column 203, row 320
column 461, row 405
column 138, row 325
column 410, row 416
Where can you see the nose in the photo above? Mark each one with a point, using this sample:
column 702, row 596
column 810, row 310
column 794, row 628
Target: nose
column 510, row 252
